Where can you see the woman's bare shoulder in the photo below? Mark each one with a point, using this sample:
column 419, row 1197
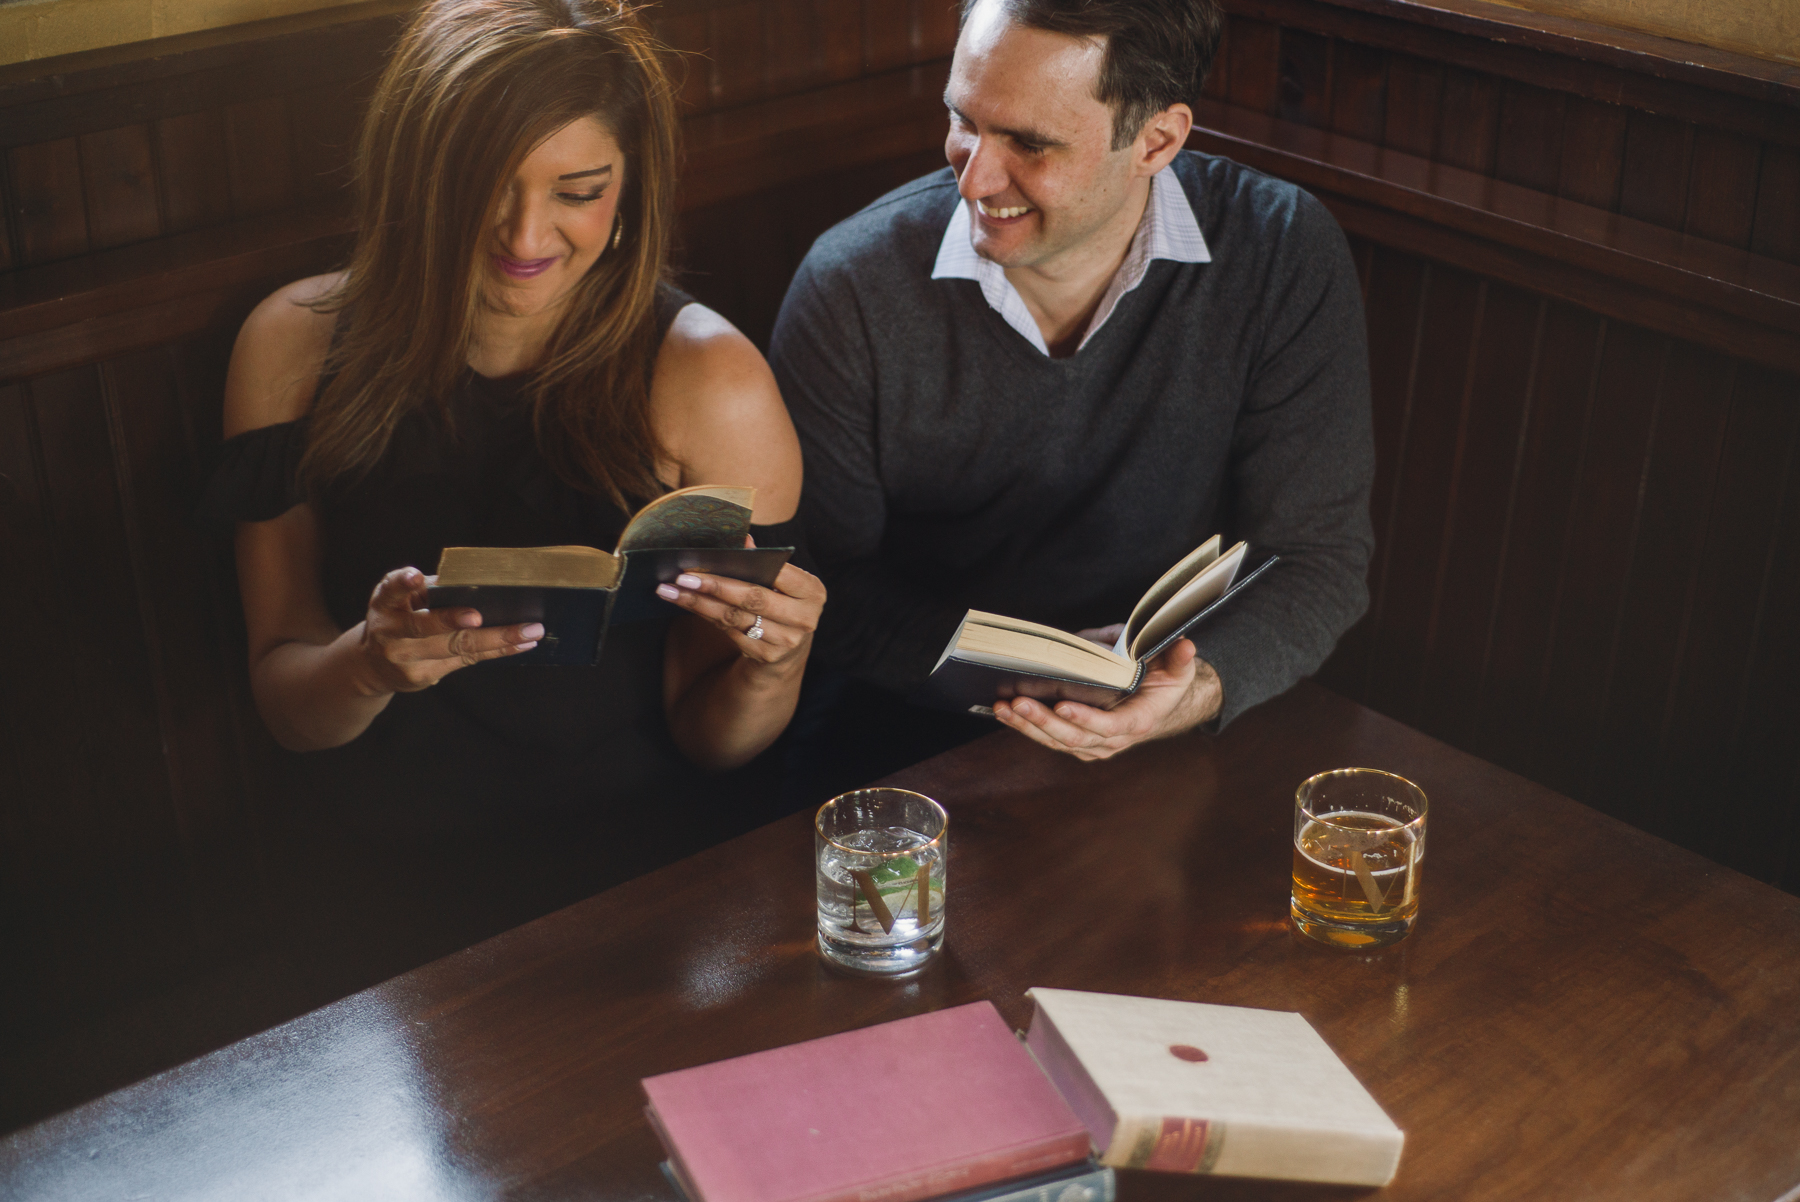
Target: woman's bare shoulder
column 276, row 360
column 719, row 413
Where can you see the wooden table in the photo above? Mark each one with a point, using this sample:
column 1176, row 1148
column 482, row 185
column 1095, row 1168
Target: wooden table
column 1583, row 1012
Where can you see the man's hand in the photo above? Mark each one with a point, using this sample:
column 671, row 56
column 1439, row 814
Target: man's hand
column 1179, row 692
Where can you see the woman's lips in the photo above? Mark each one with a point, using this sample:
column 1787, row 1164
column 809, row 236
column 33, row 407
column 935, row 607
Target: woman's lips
column 524, row 269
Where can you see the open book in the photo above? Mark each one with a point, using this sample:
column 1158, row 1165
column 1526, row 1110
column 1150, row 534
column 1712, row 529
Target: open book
column 993, row 656
column 577, row 592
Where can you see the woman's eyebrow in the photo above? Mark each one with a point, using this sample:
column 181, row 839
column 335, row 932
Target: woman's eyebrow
column 606, row 170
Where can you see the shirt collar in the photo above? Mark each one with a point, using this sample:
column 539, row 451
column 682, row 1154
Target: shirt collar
column 1168, row 230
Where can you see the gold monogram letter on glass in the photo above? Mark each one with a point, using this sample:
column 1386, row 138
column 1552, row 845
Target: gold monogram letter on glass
column 1359, row 847
column 880, row 859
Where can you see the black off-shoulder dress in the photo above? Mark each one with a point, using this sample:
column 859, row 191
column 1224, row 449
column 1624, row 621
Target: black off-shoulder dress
column 505, row 790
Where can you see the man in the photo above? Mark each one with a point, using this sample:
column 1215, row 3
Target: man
column 1031, row 383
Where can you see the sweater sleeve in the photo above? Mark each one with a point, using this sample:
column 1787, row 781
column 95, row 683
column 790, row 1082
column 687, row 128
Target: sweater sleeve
column 1302, row 464
column 877, row 625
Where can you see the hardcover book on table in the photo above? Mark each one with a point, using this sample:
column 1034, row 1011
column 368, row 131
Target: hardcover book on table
column 992, row 656
column 578, row 592
column 917, row 1108
column 1189, row 1087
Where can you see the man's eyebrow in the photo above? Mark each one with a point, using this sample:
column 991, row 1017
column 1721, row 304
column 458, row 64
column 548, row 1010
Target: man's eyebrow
column 606, row 170
column 1030, row 137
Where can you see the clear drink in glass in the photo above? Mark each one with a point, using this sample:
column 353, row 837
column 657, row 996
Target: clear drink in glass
column 880, row 858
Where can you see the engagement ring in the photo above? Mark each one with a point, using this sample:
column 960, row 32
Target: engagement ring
column 756, row 630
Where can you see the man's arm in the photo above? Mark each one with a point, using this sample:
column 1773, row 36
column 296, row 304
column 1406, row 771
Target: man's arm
column 1302, row 463
column 879, row 626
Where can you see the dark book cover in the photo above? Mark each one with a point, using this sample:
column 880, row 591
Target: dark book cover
column 648, row 567
column 575, row 619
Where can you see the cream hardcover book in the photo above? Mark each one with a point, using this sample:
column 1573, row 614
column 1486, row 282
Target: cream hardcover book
column 1189, row 1087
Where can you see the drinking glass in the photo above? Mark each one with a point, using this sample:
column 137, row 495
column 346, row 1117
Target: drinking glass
column 1359, row 848
column 880, row 858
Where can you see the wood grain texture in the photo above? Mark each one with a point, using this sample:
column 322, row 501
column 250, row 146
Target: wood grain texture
column 194, row 173
column 890, row 32
column 1654, row 180
column 1777, row 227
column 1594, row 999
column 1593, row 152
column 1415, row 92
column 1358, row 91
column 1306, row 83
column 49, row 214
column 1529, row 150
column 119, row 186
column 1255, row 67
column 1721, row 199
column 259, row 143
column 1468, row 121
column 734, row 39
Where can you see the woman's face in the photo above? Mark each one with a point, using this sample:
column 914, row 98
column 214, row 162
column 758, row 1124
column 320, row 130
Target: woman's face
column 555, row 218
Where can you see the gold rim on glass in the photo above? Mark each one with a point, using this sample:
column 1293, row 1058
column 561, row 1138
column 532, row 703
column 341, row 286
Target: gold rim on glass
column 933, row 842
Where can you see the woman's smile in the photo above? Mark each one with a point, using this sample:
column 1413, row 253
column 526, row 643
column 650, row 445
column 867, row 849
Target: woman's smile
column 525, row 269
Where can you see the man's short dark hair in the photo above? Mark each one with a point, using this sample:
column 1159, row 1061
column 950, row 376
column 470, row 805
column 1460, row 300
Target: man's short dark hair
column 1158, row 52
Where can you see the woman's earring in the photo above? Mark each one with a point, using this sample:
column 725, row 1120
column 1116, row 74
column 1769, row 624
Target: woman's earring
column 618, row 230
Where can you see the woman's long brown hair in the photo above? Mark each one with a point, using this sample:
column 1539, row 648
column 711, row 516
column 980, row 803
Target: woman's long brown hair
column 472, row 87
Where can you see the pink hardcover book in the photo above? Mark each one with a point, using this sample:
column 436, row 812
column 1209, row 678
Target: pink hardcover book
column 906, row 1110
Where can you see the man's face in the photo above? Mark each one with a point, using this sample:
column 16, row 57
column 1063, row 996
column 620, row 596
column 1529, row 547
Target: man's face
column 1031, row 147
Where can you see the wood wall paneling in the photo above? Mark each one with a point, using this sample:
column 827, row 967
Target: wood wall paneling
column 259, row 145
column 793, row 47
column 1722, row 179
column 1593, row 152
column 119, row 186
column 938, row 22
column 1542, row 505
column 737, row 77
column 1676, row 485
column 1440, row 380
column 194, row 170
column 1777, row 228
column 1306, row 80
column 1415, row 90
column 1479, row 512
column 1254, row 69
column 48, row 212
column 1529, row 150
column 1468, row 121
column 1597, row 557
column 1358, row 91
column 1654, row 179
column 1711, row 744
column 889, row 30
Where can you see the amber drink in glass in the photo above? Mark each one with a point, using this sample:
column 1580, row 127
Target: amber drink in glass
column 1359, row 850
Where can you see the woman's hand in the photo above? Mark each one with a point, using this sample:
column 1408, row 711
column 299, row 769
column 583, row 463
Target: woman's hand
column 768, row 626
column 407, row 648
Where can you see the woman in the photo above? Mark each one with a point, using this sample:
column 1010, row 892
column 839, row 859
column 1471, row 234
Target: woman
column 501, row 364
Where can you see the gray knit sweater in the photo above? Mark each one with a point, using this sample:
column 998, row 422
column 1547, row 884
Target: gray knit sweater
column 950, row 465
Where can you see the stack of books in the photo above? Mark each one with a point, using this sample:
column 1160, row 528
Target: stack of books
column 954, row 1105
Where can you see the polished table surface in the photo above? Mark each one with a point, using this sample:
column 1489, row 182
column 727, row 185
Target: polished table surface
column 1583, row 1011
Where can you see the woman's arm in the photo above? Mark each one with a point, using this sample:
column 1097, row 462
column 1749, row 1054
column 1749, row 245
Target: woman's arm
column 721, row 419
column 317, row 686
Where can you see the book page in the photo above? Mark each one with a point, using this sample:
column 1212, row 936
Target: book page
column 1028, row 647
column 540, row 567
column 706, row 515
column 1167, row 586
column 1193, row 597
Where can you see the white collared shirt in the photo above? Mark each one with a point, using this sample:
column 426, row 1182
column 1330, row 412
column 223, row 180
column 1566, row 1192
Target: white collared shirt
column 1167, row 230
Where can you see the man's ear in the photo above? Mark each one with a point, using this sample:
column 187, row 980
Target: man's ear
column 1162, row 138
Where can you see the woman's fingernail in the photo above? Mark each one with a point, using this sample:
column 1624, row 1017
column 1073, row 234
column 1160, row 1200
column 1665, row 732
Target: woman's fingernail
column 468, row 617
column 525, row 646
column 1065, row 712
column 667, row 592
column 688, row 580
column 534, row 632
